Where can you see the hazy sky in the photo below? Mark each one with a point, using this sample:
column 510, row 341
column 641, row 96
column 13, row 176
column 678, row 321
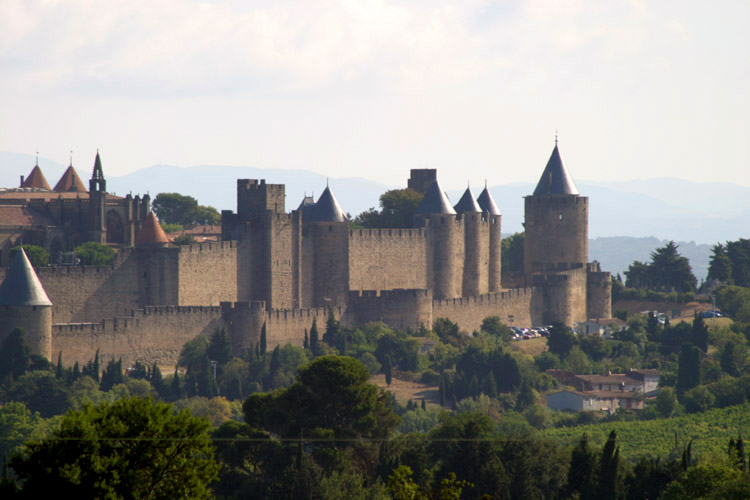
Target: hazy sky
column 372, row 88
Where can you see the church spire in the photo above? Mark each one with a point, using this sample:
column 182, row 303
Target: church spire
column 97, row 182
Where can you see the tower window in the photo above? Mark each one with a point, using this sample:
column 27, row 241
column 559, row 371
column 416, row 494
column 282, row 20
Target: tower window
column 560, row 216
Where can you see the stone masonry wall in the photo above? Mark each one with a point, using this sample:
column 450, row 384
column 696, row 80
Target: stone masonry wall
column 525, row 304
column 208, row 273
column 153, row 334
column 386, row 259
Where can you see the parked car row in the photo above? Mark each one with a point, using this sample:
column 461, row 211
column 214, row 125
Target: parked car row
column 520, row 333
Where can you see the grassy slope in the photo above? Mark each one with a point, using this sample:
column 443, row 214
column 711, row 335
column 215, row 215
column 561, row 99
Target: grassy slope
column 710, row 431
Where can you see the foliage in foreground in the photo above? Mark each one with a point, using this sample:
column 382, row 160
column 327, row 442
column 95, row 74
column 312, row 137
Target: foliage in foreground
column 133, row 448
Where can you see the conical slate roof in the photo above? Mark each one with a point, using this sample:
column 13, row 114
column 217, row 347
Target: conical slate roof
column 70, row 182
column 21, row 286
column 487, row 203
column 467, row 203
column 306, row 207
column 556, row 179
column 327, row 209
column 151, row 232
column 36, row 179
column 434, row 201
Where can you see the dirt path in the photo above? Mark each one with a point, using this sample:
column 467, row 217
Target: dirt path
column 404, row 390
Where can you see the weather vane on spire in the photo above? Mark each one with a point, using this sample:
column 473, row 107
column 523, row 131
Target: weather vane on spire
column 555, row 137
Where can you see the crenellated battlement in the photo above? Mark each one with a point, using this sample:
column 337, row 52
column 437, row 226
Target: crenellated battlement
column 487, row 298
column 209, row 246
column 380, row 233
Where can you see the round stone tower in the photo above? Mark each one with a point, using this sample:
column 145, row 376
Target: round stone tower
column 556, row 222
column 24, row 304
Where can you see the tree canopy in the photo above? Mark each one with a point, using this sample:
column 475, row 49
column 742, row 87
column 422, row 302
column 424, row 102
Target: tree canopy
column 38, row 256
column 95, row 254
column 667, row 271
column 133, row 448
column 175, row 208
column 396, row 210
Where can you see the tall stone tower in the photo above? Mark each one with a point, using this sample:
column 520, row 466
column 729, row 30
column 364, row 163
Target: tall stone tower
column 445, row 243
column 97, row 203
column 556, row 222
column 24, row 304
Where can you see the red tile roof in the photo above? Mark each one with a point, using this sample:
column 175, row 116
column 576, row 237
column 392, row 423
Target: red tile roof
column 19, row 215
column 36, row 180
column 70, row 182
column 151, row 232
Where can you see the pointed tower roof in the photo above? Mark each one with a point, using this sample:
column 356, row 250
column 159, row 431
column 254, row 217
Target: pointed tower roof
column 151, row 232
column 36, row 179
column 467, row 203
column 97, row 182
column 434, row 201
column 556, row 179
column 306, row 207
column 327, row 209
column 70, row 182
column 487, row 203
column 21, row 286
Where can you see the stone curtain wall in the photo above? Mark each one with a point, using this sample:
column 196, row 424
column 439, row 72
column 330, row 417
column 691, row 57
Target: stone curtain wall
column 385, row 259
column 208, row 273
column 153, row 334
column 525, row 304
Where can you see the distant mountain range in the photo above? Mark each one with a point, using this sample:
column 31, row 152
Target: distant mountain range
column 649, row 212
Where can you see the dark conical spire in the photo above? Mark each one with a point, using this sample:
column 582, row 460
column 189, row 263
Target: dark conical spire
column 327, row 209
column 556, row 179
column 21, row 286
column 467, row 203
column 306, row 207
column 97, row 182
column 434, row 201
column 487, row 204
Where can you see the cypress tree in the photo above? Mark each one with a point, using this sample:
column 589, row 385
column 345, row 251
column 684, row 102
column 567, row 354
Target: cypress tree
column 76, row 371
column 581, row 471
column 442, row 391
column 175, row 389
column 388, row 370
column 96, row 366
column 59, row 371
column 275, row 362
column 306, row 343
column 688, row 368
column 263, row 340
column 609, row 463
column 687, row 456
column 699, row 333
column 314, row 337
column 157, row 380
column 424, row 405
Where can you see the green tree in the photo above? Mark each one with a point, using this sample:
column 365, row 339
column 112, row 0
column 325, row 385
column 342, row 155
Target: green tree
column 638, row 275
column 38, row 256
column 388, row 370
column 174, row 208
column 314, row 347
column 720, row 265
column 689, row 368
column 396, row 210
column 608, row 481
column 739, row 254
column 263, row 339
column 184, row 239
column 699, row 333
column 561, row 339
column 95, row 254
column 494, row 326
column 15, row 354
column 219, row 347
column 670, row 270
column 512, row 253
column 582, row 471
column 666, row 401
column 132, row 448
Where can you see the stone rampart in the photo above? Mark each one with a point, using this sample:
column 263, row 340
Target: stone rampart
column 524, row 304
column 208, row 273
column 386, row 259
column 150, row 335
